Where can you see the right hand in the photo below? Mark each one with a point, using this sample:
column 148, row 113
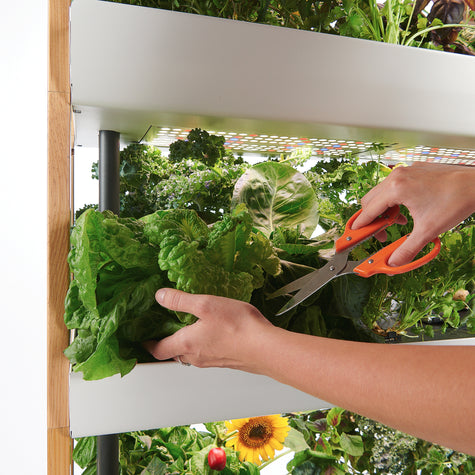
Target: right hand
column 438, row 197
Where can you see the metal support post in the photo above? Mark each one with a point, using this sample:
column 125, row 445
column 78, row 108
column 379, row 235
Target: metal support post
column 109, row 161
column 109, row 199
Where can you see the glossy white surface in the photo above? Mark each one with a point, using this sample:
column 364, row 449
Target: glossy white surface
column 133, row 67
column 168, row 394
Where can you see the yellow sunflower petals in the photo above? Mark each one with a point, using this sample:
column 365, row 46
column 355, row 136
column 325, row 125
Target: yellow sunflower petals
column 256, row 458
column 236, row 424
column 257, row 438
column 231, row 442
column 275, row 444
column 269, row 450
column 263, row 453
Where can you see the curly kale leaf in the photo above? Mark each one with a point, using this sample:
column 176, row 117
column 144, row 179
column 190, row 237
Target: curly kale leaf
column 200, row 174
column 199, row 145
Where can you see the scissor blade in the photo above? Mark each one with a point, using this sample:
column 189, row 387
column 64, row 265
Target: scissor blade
column 296, row 284
column 316, row 280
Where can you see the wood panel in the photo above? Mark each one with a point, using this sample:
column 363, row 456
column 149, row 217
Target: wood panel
column 59, row 220
column 59, row 460
column 58, row 72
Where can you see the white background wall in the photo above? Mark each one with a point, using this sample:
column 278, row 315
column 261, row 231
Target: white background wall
column 23, row 109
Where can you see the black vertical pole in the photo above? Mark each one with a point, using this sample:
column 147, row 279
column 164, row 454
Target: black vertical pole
column 109, row 199
column 109, row 160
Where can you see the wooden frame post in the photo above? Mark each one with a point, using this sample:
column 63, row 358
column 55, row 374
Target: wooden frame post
column 59, row 220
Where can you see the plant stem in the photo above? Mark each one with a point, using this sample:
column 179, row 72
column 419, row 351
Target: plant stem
column 231, row 434
column 268, row 462
column 437, row 27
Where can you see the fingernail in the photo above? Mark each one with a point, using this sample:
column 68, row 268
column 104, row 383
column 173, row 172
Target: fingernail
column 160, row 295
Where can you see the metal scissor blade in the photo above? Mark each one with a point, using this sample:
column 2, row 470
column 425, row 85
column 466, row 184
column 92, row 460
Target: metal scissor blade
column 316, row 280
column 296, row 284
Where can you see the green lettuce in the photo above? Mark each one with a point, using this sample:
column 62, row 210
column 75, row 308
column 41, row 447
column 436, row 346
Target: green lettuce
column 119, row 263
column 228, row 259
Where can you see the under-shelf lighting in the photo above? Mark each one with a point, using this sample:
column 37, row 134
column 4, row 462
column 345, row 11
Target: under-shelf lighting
column 321, row 148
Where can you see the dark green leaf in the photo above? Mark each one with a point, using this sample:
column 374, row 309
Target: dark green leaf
column 85, row 451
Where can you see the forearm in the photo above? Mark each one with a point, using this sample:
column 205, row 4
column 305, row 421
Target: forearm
column 426, row 391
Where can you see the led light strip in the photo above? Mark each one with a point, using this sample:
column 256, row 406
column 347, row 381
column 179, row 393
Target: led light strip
column 324, row 148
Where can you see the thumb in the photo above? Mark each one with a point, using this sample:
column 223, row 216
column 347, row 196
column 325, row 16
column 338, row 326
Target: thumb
column 409, row 249
column 177, row 300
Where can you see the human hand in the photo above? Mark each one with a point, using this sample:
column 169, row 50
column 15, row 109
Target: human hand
column 438, row 197
column 227, row 334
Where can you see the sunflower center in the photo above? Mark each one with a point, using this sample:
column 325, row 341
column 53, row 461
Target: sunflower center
column 255, row 433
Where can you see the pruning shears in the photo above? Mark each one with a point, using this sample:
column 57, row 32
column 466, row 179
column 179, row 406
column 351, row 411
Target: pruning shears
column 340, row 265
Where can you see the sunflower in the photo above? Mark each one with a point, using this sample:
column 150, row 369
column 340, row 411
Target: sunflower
column 257, row 437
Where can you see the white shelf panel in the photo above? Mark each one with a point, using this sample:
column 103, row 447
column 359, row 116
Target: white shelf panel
column 134, row 67
column 167, row 394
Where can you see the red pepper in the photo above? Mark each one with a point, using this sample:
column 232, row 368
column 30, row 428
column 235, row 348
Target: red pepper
column 217, row 459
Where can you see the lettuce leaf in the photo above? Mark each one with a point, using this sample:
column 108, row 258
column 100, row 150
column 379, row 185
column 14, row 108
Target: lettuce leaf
column 119, row 263
column 115, row 278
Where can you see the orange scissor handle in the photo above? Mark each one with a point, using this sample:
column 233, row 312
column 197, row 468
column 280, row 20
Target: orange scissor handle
column 378, row 263
column 352, row 237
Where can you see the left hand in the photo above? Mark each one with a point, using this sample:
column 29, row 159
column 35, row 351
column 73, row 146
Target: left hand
column 228, row 332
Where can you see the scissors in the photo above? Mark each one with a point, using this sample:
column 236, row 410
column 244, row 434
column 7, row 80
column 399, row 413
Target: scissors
column 340, row 265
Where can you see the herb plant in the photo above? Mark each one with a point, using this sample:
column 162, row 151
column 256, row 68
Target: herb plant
column 446, row 26
column 329, row 441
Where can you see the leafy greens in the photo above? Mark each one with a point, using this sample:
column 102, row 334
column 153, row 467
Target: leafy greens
column 119, row 263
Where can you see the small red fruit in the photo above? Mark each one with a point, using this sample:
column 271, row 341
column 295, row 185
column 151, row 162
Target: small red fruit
column 217, row 459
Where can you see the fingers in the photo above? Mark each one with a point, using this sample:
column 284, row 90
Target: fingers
column 200, row 305
column 369, row 213
column 210, row 340
column 168, row 347
column 409, row 249
column 374, row 204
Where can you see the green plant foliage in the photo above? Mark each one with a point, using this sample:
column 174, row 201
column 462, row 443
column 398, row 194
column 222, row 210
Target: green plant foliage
column 199, row 145
column 119, row 263
column 402, row 303
column 408, row 301
column 327, row 441
column 150, row 181
column 401, row 22
column 173, row 450
column 341, row 442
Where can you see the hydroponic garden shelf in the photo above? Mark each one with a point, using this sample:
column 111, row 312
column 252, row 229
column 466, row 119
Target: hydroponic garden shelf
column 133, row 68
column 152, row 74
column 168, row 394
